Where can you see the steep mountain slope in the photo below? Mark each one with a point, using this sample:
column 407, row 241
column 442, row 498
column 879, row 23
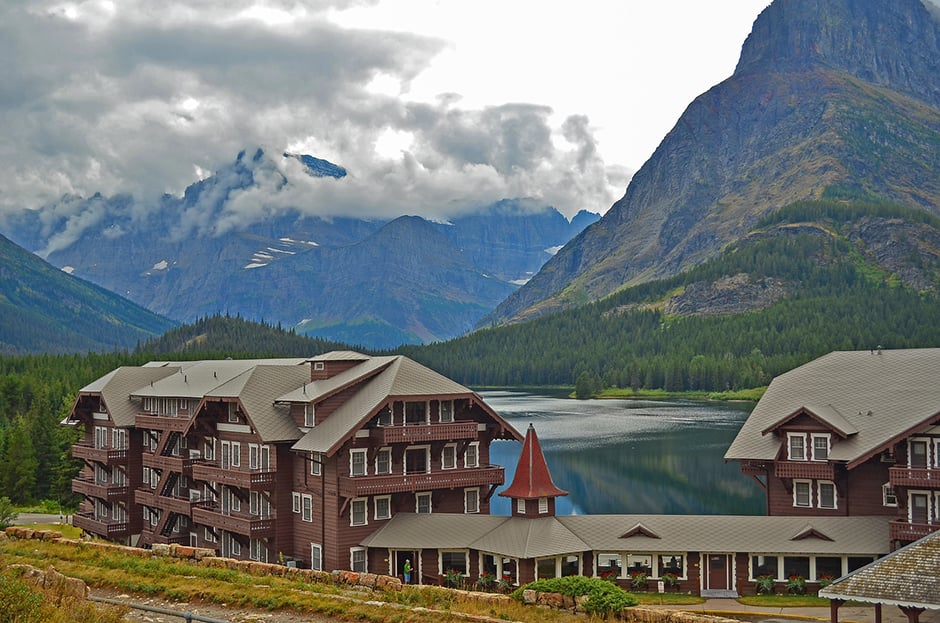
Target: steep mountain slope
column 371, row 282
column 837, row 95
column 42, row 309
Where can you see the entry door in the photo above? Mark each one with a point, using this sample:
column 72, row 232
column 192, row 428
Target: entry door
column 719, row 572
column 400, row 558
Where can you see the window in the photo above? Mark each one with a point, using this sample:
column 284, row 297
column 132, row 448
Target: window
column 316, row 557
column 449, row 456
column 357, row 462
column 295, row 502
column 316, row 463
column 383, row 507
column 119, row 439
column 231, row 454
column 447, row 411
column 609, row 565
column 101, row 437
column 820, row 447
column 640, row 563
column 357, row 512
column 209, row 536
column 309, row 416
column 417, row 460
column 385, row 416
column 888, row 496
column 119, row 476
column 232, row 412
column 797, row 446
column 827, row 494
column 416, row 413
column 119, row 513
column 471, row 457
column 545, row 568
column 423, row 503
column 796, row 565
column 453, row 561
column 357, row 559
column 383, row 461
column 253, row 460
column 828, row 566
column 520, row 506
column 917, row 453
column 471, row 500
column 306, row 507
column 543, row 506
column 259, row 457
column 671, row 563
column 801, row 493
column 257, row 550
column 208, row 449
column 764, row 565
column 917, row 507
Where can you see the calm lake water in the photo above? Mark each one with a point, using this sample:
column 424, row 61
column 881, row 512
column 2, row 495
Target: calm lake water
column 631, row 456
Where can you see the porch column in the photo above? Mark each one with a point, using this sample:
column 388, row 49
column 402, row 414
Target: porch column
column 834, row 605
column 912, row 613
column 877, row 613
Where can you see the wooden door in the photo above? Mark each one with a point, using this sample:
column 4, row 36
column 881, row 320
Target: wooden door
column 719, row 572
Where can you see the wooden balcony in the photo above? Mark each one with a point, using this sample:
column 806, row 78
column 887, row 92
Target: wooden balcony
column 901, row 530
column 920, row 477
column 751, row 468
column 253, row 480
column 170, row 503
column 105, row 456
column 167, row 423
column 811, row 470
column 175, row 464
column 103, row 491
column 419, row 433
column 209, row 514
column 353, row 487
column 111, row 530
column 177, row 538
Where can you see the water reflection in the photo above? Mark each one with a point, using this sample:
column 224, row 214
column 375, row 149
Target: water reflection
column 632, row 456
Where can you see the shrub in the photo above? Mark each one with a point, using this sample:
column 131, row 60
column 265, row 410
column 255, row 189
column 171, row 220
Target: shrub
column 602, row 597
column 8, row 513
column 825, row 580
column 638, row 580
column 671, row 579
column 453, row 578
column 764, row 584
column 796, row 585
column 486, row 581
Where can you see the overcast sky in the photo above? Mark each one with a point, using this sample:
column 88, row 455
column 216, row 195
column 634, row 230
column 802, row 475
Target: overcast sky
column 433, row 107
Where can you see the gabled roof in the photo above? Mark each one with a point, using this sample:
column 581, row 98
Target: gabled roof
column 256, row 389
column 116, row 387
column 377, row 380
column 827, row 415
column 883, row 395
column 908, row 577
column 195, row 379
column 554, row 536
column 532, row 479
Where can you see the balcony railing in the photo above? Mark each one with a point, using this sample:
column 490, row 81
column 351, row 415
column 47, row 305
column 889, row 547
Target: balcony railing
column 170, row 503
column 253, row 480
column 923, row 477
column 818, row 470
column 168, row 423
column 176, row 464
column 416, row 433
column 103, row 491
column 900, row 530
column 209, row 514
column 106, row 456
column 110, row 530
column 398, row 483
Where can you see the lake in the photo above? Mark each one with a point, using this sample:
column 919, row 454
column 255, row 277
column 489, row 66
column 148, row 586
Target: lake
column 631, row 456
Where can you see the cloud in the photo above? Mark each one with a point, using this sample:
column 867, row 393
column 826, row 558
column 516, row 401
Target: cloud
column 137, row 97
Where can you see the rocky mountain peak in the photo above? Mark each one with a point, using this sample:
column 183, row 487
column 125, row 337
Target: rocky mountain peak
column 890, row 43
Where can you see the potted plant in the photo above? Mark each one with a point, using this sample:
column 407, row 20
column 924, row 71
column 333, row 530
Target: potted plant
column 764, row 584
column 671, row 580
column 638, row 580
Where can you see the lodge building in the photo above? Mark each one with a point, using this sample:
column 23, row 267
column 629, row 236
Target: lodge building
column 345, row 461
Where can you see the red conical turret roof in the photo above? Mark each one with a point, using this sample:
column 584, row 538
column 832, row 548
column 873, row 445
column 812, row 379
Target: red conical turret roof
column 532, row 479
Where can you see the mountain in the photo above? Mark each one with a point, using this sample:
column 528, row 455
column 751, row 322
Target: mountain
column 374, row 283
column 42, row 309
column 830, row 98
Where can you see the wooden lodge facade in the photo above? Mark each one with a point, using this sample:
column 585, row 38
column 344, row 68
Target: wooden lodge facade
column 291, row 459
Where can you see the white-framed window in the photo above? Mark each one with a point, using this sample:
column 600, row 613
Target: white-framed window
column 309, row 415
column 917, row 452
column 826, row 494
column 416, row 413
column 209, row 536
column 101, row 474
column 119, row 476
column 471, row 500
column 154, row 478
column 254, row 503
column 796, row 446
column 119, row 438
column 821, row 447
column 457, row 560
column 471, row 457
column 306, row 503
column 520, row 506
column 383, row 461
column 543, row 506
column 358, row 560
column 423, row 502
column 888, row 495
column 231, row 454
column 316, row 557
column 119, row 512
column 253, row 456
column 802, row 493
column 357, row 462
column 383, row 507
column 316, row 463
column 295, row 501
column 257, row 550
column 358, row 513
column 447, row 411
column 208, row 448
column 918, row 507
column 232, row 413
column 417, row 460
column 101, row 437
column 449, row 456
column 154, row 438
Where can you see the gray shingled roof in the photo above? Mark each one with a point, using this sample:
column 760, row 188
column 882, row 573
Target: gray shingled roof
column 256, row 389
column 531, row 538
column 116, row 387
column 195, row 379
column 881, row 394
column 908, row 577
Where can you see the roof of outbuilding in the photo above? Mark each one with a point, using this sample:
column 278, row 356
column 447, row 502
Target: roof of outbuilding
column 116, row 387
column 908, row 577
column 874, row 397
column 551, row 536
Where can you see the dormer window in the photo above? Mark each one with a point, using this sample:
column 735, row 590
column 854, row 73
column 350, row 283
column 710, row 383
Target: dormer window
column 309, row 415
column 796, row 446
column 821, row 447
